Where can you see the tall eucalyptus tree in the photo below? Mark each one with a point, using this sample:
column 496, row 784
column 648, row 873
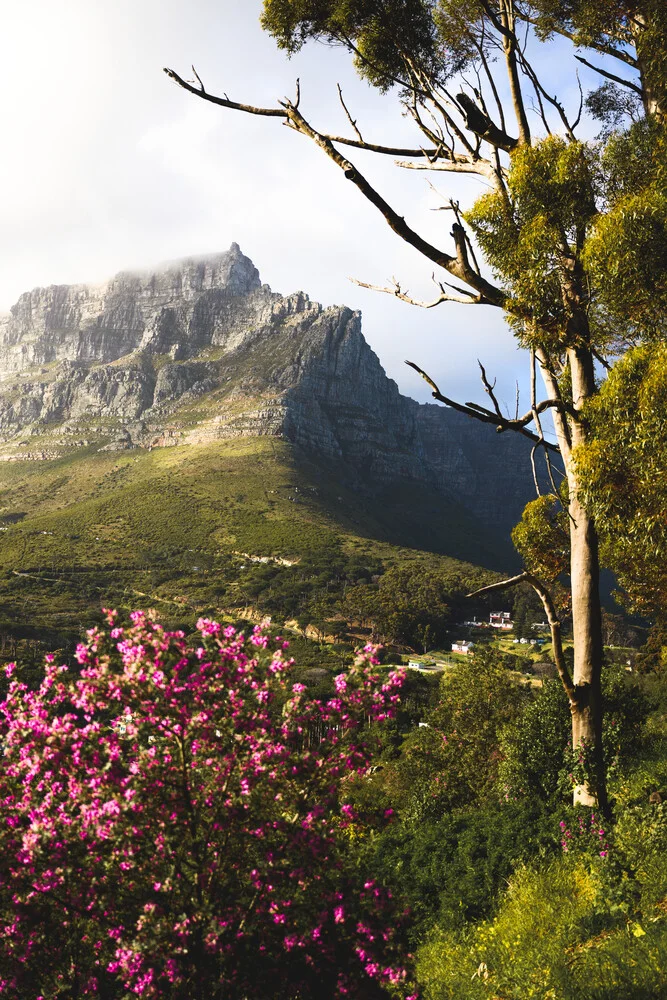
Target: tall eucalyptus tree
column 552, row 228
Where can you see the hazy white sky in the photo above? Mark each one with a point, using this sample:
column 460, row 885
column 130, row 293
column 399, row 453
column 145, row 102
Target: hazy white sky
column 107, row 165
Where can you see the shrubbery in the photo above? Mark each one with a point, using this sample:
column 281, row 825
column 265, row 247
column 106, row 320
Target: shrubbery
column 170, row 830
column 556, row 936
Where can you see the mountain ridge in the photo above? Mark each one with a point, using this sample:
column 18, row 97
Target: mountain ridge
column 199, row 349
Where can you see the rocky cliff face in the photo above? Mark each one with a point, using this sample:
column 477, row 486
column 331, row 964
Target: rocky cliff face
column 200, row 349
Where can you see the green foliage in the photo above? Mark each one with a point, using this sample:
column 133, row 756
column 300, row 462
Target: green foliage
column 613, row 106
column 382, row 35
column 552, row 188
column 555, row 937
column 653, row 655
column 453, row 760
column 415, row 603
column 536, row 749
column 623, row 471
column 626, row 251
column 527, row 609
column 542, row 538
column 451, row 870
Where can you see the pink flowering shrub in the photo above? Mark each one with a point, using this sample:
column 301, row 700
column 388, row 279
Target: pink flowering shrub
column 173, row 828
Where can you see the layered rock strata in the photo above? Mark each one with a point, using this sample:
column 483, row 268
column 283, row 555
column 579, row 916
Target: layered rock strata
column 199, row 349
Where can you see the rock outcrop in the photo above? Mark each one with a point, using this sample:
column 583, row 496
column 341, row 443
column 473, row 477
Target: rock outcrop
column 199, row 349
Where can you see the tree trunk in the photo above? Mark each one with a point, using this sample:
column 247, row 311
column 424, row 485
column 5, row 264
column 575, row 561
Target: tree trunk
column 586, row 613
column 587, row 634
column 654, row 97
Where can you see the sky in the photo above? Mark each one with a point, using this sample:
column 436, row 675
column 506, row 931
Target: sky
column 108, row 165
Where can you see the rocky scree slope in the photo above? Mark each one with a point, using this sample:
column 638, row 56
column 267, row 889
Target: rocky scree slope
column 200, row 349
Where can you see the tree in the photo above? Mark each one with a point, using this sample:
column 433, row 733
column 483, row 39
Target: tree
column 465, row 72
column 624, row 472
column 176, row 822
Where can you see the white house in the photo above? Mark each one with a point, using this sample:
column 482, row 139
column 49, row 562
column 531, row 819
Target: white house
column 424, row 667
column 500, row 619
column 462, row 647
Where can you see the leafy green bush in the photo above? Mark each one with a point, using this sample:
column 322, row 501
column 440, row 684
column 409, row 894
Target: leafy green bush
column 535, row 758
column 452, row 870
column 554, row 937
column 452, row 761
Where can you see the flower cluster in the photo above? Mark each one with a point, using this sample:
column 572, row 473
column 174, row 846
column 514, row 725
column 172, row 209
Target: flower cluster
column 175, row 823
column 589, row 834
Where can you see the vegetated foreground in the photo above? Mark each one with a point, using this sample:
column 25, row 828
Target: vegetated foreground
column 184, row 818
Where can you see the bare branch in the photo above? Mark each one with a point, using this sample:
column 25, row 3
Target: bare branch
column 459, row 265
column 511, row 47
column 611, row 76
column 603, row 361
column 201, row 85
column 553, row 101
column 576, row 121
column 351, row 120
column 224, row 102
column 554, row 624
column 479, row 412
column 455, row 207
column 536, row 420
column 463, row 297
column 457, row 164
column 551, row 382
column 488, row 388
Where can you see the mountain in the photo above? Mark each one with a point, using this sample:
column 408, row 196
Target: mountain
column 199, row 350
column 188, row 439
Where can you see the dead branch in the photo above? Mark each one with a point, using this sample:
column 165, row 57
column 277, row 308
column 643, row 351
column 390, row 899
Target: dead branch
column 463, row 297
column 611, row 76
column 479, row 412
column 251, row 109
column 459, row 265
column 480, row 123
column 456, row 164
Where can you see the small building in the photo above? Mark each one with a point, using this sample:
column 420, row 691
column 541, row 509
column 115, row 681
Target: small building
column 501, row 619
column 462, row 647
column 425, row 668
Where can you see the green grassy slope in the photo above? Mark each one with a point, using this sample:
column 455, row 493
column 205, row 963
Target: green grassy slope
column 164, row 528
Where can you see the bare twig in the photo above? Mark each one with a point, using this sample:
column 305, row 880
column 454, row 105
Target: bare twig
column 488, row 388
column 201, row 85
column 351, row 120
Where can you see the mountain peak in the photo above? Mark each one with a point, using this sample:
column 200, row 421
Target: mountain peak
column 198, row 350
column 186, row 277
